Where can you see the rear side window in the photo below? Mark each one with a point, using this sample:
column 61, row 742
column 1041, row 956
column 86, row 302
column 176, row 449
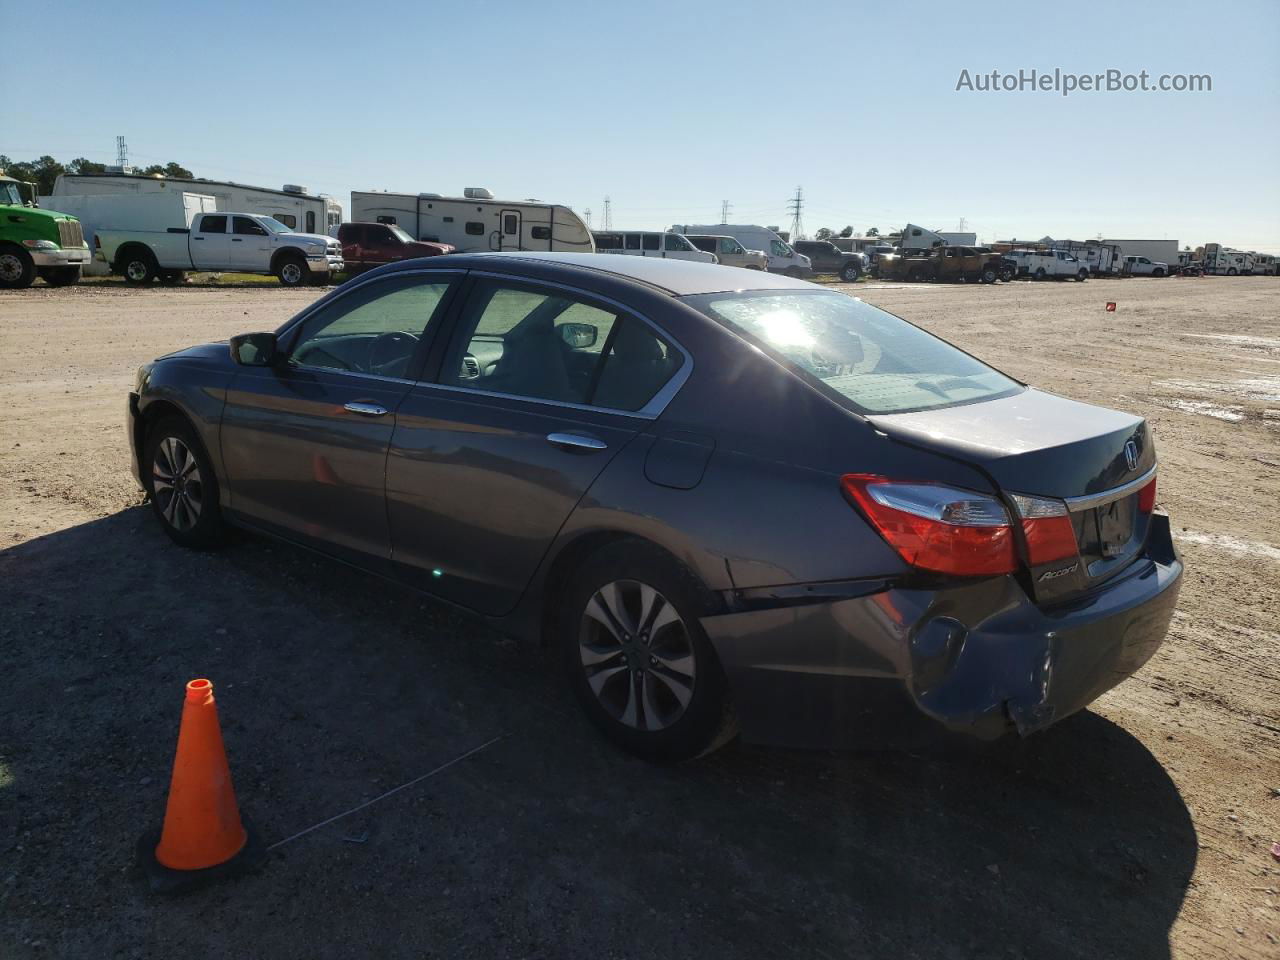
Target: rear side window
column 633, row 241
column 651, row 241
column 213, row 224
column 871, row 360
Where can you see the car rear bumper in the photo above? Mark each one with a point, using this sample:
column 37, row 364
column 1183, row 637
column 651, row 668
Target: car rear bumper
column 979, row 659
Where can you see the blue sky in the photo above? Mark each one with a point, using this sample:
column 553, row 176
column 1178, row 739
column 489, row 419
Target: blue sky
column 670, row 108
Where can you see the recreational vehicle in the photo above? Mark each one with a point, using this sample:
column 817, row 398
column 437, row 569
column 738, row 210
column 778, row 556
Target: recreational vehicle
column 293, row 205
column 476, row 222
column 1225, row 261
column 650, row 243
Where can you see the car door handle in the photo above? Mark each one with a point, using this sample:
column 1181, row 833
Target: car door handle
column 576, row 441
column 237, row 240
column 365, row 409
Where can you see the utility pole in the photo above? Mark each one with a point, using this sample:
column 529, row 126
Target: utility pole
column 796, row 204
column 725, row 207
column 608, row 214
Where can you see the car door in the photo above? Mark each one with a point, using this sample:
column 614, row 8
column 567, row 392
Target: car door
column 539, row 389
column 304, row 442
column 209, row 242
column 351, row 236
column 250, row 244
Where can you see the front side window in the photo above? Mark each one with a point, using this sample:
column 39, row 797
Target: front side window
column 676, row 242
column 375, row 329
column 244, row 227
column 779, row 249
column 871, row 360
column 545, row 345
column 730, row 245
column 216, row 224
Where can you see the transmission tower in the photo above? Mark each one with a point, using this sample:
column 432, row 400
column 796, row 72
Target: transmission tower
column 961, row 227
column 725, row 207
column 122, row 153
column 608, row 214
column 796, row 205
column 587, row 216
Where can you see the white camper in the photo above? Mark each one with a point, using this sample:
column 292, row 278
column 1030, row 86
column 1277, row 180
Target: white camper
column 109, row 213
column 293, row 205
column 1226, row 261
column 476, row 222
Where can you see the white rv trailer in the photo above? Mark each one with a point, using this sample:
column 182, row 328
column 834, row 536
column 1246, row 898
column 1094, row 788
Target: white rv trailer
column 1226, row 262
column 103, row 213
column 476, row 222
column 292, row 206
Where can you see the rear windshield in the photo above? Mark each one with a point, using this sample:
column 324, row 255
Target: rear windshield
column 874, row 361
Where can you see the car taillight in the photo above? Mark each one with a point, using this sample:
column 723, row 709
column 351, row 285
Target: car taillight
column 1047, row 529
column 1147, row 496
column 936, row 527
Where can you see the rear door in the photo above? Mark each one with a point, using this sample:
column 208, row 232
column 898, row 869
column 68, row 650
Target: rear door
column 305, row 442
column 210, row 242
column 539, row 389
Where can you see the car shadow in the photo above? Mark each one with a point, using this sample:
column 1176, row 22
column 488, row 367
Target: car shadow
column 335, row 686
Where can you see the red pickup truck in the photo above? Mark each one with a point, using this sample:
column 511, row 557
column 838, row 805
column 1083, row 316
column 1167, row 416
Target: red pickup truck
column 369, row 245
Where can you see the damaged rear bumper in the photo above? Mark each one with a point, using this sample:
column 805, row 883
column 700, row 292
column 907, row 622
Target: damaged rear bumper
column 980, row 658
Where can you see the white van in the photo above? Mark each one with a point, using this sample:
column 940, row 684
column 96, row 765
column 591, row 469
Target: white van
column 643, row 243
column 729, row 251
column 782, row 258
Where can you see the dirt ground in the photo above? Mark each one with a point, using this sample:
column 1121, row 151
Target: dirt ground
column 1140, row 828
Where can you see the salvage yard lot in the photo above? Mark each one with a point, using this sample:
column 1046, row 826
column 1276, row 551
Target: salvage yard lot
column 1140, row 828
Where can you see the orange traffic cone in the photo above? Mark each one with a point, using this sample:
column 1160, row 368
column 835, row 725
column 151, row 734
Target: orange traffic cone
column 203, row 837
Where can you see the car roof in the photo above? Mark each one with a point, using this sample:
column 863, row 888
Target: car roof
column 680, row 278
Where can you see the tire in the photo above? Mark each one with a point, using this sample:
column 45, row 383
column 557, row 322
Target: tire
column 172, row 277
column 989, row 275
column 138, row 266
column 60, row 276
column 187, row 510
column 850, row 273
column 17, row 271
column 1231, row 272
column 292, row 270
column 1041, row 274
column 916, row 275
column 1008, row 274
column 664, row 698
column 1157, row 272
column 1082, row 276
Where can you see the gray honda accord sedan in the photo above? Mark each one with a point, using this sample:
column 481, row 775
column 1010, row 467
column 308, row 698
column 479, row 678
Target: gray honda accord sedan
column 732, row 501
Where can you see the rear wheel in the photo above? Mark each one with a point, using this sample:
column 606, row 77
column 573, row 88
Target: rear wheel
column 1157, row 272
column 850, row 272
column 292, row 270
column 637, row 657
column 1082, row 276
column 1041, row 273
column 60, row 276
column 138, row 267
column 17, row 271
column 989, row 275
column 182, row 484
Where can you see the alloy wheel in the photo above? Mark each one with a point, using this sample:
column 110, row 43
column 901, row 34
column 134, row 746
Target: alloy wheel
column 291, row 273
column 176, row 484
column 10, row 268
column 637, row 655
column 136, row 270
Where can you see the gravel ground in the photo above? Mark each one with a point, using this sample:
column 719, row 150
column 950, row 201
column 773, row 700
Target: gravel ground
column 1140, row 828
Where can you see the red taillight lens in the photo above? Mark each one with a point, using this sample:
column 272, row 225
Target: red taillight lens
column 935, row 527
column 1147, row 496
column 1047, row 528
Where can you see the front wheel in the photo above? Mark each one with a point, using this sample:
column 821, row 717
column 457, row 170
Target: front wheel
column 637, row 657
column 1007, row 274
column 1231, row 272
column 1157, row 272
column 17, row 271
column 60, row 276
column 989, row 275
column 292, row 271
column 1041, row 273
column 182, row 485
column 850, row 273
column 1082, row 276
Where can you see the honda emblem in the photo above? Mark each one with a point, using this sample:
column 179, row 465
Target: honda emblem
column 1131, row 455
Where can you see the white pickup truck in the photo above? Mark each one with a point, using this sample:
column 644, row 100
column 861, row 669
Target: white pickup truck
column 1042, row 264
column 224, row 242
column 1144, row 267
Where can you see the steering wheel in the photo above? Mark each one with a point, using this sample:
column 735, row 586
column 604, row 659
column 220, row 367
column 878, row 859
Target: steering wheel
column 388, row 348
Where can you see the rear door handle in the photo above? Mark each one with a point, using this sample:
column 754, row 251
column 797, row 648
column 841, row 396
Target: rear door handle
column 365, row 409
column 576, row 441
column 237, row 240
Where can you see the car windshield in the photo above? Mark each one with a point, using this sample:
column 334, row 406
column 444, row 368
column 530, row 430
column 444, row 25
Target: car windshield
column 873, row 361
column 274, row 225
column 400, row 233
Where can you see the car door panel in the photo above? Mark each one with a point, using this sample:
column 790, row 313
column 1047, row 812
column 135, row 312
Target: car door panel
column 476, row 492
column 210, row 248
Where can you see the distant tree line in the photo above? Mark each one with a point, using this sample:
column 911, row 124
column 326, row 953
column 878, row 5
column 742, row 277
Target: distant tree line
column 826, row 233
column 44, row 171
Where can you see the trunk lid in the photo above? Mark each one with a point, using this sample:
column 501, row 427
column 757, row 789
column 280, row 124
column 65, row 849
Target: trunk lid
column 1039, row 444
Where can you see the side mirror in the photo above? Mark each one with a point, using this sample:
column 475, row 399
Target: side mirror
column 254, row 349
column 579, row 336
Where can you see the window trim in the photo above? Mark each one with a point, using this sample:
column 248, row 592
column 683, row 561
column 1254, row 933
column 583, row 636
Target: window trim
column 650, row 411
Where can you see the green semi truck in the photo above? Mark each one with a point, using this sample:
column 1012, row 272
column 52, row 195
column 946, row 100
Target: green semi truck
column 36, row 242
